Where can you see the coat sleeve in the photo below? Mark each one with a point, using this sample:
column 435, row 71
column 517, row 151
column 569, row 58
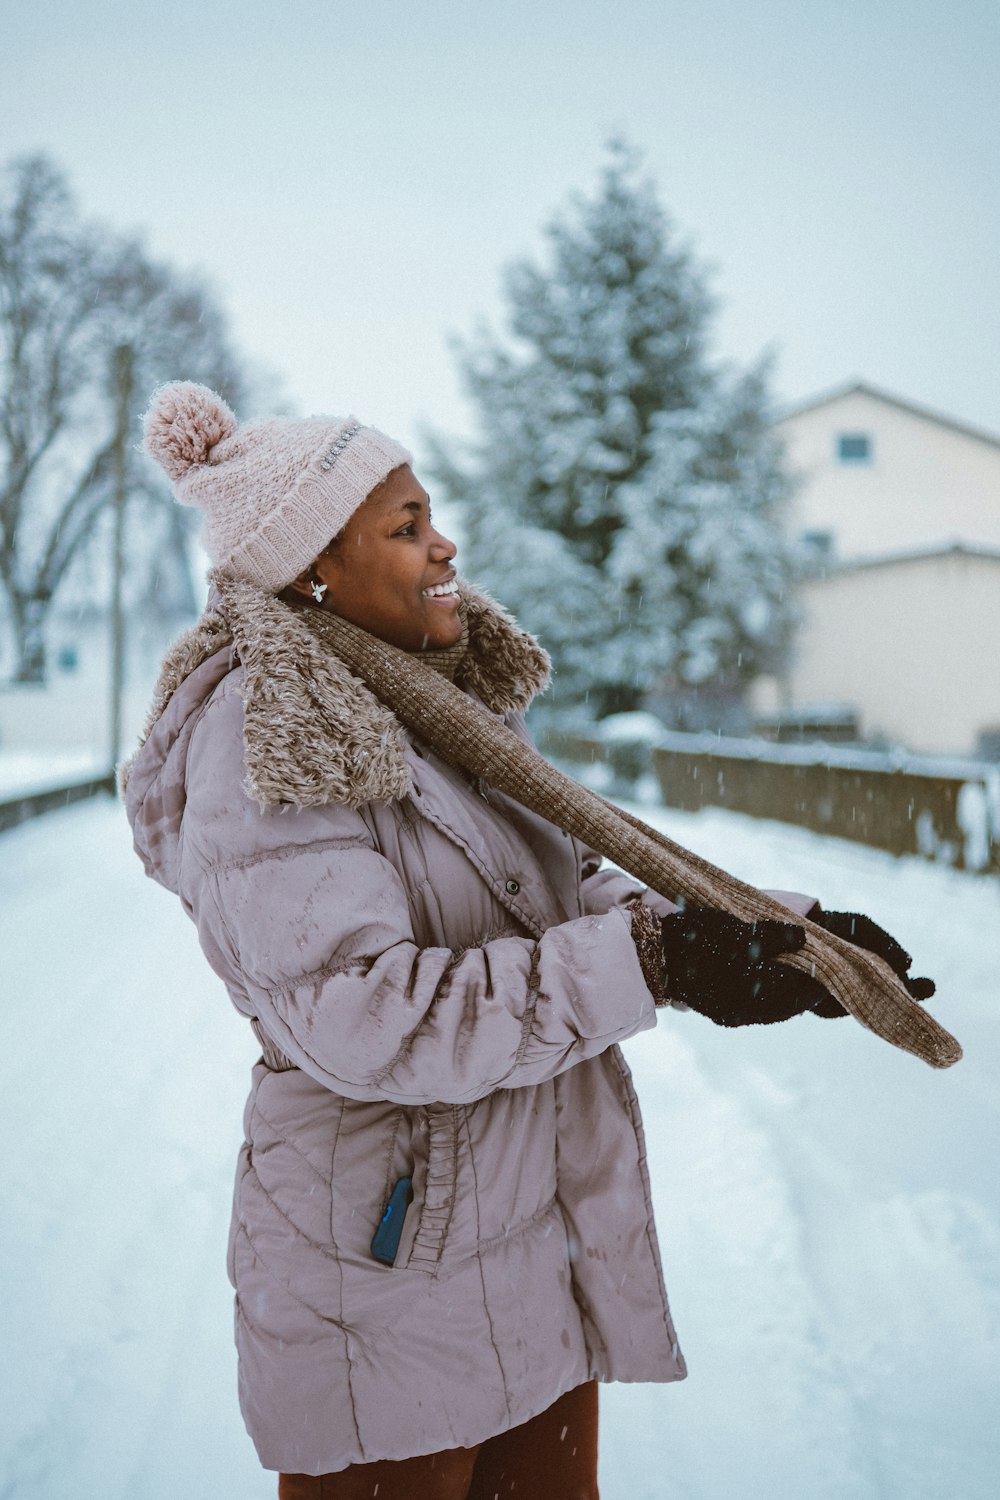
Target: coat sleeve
column 317, row 937
column 604, row 887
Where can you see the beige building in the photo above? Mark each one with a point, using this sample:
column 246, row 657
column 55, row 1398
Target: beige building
column 901, row 617
column 911, row 643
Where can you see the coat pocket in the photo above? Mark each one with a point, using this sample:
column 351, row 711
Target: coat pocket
column 372, row 1151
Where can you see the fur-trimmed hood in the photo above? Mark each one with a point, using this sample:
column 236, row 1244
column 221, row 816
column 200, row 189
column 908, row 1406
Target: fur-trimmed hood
column 313, row 733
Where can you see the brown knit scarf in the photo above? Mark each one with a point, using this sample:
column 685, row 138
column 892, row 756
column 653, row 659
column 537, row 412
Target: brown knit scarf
column 468, row 736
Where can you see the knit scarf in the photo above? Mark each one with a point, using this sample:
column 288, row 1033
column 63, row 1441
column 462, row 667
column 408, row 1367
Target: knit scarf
column 469, row 737
column 419, row 691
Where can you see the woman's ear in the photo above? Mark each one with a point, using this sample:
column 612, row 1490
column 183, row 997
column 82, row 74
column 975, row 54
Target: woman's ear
column 313, row 582
column 303, row 584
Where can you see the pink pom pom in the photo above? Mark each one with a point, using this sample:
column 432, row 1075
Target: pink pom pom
column 183, row 424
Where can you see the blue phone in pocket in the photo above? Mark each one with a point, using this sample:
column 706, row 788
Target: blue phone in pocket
column 385, row 1242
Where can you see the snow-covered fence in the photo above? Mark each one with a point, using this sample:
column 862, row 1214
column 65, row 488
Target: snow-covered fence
column 620, row 745
column 17, row 808
column 947, row 810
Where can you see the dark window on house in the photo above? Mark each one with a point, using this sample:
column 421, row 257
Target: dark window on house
column 818, row 545
column 854, row 448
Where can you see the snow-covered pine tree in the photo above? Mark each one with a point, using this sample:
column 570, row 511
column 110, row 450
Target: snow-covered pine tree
column 624, row 495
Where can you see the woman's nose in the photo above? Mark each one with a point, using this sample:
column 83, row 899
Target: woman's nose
column 442, row 547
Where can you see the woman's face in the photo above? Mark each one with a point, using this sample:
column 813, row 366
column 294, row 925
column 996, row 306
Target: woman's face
column 390, row 572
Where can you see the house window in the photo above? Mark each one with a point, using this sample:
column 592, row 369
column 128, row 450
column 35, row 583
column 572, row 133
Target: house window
column 854, row 448
column 817, row 545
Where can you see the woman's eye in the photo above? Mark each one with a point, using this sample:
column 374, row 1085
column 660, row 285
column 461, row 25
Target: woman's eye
column 410, row 530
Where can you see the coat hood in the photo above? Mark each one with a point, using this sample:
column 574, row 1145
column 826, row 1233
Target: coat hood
column 313, row 733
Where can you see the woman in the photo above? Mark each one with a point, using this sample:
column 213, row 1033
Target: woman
column 442, row 1235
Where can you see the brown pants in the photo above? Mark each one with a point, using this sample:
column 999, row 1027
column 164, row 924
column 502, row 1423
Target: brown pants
column 552, row 1457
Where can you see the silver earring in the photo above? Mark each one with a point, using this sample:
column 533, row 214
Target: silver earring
column 318, row 590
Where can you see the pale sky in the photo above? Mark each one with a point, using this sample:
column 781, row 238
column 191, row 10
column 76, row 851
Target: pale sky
column 353, row 182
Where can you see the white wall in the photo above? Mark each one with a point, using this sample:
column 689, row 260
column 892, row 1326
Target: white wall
column 70, row 714
column 927, row 483
column 913, row 645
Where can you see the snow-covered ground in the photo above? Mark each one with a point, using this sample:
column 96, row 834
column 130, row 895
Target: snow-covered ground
column 828, row 1206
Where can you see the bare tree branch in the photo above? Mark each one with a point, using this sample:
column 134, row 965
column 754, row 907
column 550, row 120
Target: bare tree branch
column 71, row 294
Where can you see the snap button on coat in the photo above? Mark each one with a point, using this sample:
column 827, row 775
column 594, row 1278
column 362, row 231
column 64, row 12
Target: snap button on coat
column 511, row 887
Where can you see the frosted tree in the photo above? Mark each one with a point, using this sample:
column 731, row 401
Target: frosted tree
column 624, row 495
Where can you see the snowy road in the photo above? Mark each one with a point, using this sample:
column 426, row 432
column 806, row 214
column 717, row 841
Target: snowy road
column 829, row 1207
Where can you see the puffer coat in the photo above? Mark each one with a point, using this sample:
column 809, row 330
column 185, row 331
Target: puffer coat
column 439, row 980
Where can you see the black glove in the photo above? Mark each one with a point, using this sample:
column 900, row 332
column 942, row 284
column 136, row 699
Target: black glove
column 860, row 930
column 723, row 968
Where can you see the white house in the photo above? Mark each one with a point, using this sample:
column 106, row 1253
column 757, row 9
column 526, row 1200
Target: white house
column 879, row 474
column 909, row 641
column 901, row 616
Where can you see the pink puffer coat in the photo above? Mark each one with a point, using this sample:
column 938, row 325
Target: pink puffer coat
column 438, row 982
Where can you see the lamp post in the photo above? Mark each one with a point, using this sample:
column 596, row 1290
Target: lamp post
column 123, row 376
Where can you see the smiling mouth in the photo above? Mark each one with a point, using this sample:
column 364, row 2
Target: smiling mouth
column 445, row 590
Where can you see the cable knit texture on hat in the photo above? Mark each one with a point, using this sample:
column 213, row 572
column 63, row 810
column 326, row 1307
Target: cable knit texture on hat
column 273, row 492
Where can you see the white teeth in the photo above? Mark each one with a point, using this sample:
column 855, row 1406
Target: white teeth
column 438, row 590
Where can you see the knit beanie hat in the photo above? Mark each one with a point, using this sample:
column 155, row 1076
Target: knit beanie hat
column 274, row 492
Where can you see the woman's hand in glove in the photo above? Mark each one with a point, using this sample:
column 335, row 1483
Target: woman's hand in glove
column 860, row 930
column 727, row 969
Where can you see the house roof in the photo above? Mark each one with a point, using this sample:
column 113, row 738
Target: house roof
column 864, row 388
column 912, row 554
